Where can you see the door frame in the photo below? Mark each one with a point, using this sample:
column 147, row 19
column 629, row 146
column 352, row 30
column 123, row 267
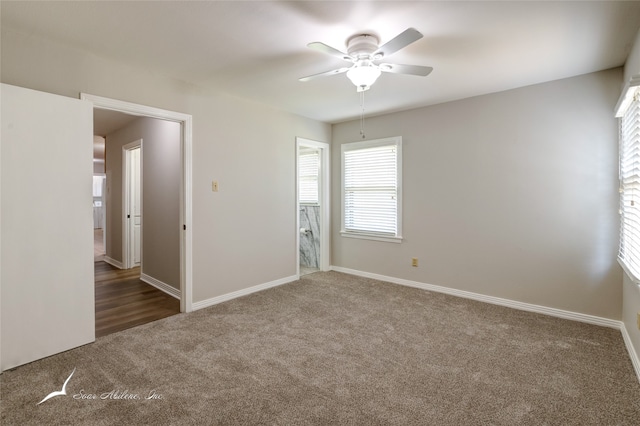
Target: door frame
column 186, row 185
column 127, row 236
column 324, row 180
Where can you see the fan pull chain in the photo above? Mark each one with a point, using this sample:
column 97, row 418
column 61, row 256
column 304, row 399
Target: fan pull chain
column 362, row 115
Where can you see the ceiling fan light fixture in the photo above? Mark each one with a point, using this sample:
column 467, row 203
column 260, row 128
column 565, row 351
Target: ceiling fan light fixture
column 363, row 50
column 363, row 76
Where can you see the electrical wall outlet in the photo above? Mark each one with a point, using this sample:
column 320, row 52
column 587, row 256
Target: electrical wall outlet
column 414, row 262
column 638, row 320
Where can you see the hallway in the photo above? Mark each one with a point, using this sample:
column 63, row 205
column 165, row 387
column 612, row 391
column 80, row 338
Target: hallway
column 123, row 301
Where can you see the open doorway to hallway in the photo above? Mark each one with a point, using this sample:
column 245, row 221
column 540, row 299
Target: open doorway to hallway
column 137, row 279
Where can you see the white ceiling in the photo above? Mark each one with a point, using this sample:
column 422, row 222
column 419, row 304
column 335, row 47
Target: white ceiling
column 106, row 121
column 257, row 50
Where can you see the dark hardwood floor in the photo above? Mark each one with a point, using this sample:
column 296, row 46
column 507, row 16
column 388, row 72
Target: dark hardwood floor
column 123, row 301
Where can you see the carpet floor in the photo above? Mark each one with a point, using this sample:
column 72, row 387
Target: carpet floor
column 336, row 349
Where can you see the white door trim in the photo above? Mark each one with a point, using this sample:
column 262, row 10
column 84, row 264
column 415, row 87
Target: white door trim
column 324, row 197
column 186, row 188
column 127, row 237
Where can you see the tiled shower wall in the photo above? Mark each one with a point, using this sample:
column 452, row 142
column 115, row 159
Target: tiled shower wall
column 310, row 241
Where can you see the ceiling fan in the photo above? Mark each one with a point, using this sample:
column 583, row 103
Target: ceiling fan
column 363, row 52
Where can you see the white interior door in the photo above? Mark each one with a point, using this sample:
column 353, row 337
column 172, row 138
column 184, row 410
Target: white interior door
column 47, row 284
column 133, row 203
column 136, row 215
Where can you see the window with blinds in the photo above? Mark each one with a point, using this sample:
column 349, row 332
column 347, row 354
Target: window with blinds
column 371, row 189
column 629, row 113
column 308, row 173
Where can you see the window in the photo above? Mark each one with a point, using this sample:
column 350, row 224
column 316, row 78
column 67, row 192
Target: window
column 97, row 185
column 308, row 171
column 371, row 189
column 629, row 113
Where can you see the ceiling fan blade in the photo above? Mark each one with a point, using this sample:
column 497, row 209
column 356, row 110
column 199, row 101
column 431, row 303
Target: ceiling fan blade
column 406, row 69
column 322, row 74
column 403, row 39
column 321, row 47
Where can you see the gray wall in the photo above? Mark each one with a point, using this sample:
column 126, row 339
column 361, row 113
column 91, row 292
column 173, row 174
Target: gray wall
column 512, row 195
column 161, row 170
column 248, row 147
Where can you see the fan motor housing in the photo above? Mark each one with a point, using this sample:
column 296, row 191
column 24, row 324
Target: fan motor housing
column 362, row 46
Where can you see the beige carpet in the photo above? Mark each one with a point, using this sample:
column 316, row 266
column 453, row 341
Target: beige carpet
column 336, row 349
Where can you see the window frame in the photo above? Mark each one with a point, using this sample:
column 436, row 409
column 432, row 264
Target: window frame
column 629, row 259
column 372, row 235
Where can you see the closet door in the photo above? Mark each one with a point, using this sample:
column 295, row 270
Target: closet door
column 46, row 270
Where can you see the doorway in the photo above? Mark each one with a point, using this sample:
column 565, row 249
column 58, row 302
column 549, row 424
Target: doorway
column 183, row 292
column 312, row 165
column 143, row 285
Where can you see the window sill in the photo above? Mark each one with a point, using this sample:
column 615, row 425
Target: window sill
column 634, row 279
column 374, row 237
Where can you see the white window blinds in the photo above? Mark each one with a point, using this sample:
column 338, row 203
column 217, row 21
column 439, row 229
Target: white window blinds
column 629, row 253
column 308, row 172
column 97, row 185
column 371, row 188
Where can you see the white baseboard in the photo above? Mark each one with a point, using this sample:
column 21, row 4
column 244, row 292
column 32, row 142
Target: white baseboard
column 170, row 290
column 229, row 296
column 113, row 262
column 635, row 360
column 576, row 316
